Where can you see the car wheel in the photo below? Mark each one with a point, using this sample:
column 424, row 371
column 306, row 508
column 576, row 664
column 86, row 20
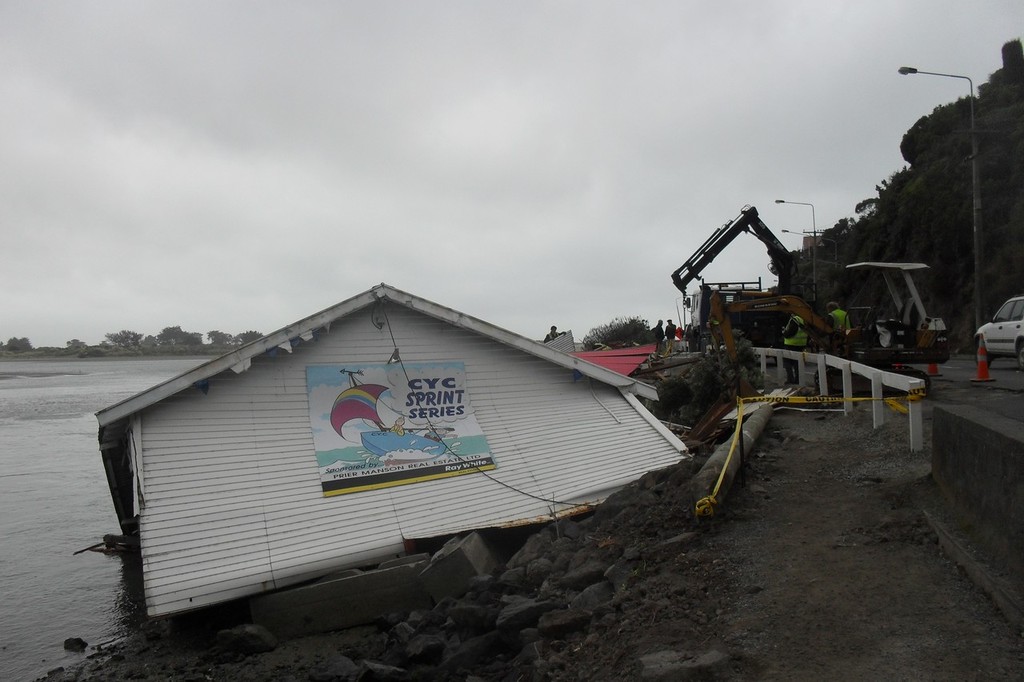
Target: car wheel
column 1020, row 357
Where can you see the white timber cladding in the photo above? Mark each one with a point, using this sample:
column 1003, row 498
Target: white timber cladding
column 135, row 457
column 233, row 503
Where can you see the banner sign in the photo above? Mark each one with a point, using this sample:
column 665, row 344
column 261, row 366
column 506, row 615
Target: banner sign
column 382, row 425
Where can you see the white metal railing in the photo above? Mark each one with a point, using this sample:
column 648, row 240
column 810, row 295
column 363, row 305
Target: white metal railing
column 879, row 379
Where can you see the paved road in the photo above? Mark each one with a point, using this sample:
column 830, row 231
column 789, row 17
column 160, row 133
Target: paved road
column 1004, row 395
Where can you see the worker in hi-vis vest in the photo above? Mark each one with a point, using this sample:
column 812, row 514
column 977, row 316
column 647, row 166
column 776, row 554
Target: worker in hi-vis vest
column 839, row 318
column 794, row 337
column 840, row 321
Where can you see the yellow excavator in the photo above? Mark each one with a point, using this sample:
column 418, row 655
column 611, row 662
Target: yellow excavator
column 891, row 335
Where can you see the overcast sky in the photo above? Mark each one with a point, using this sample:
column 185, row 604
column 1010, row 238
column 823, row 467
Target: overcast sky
column 241, row 165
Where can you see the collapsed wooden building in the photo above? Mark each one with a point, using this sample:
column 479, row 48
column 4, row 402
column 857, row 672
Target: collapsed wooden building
column 335, row 441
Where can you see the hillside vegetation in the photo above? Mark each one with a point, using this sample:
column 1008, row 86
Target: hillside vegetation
column 924, row 212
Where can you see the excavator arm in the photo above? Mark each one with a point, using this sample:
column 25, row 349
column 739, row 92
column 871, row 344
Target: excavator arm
column 819, row 329
column 747, row 221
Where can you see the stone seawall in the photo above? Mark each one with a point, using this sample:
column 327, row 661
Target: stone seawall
column 978, row 463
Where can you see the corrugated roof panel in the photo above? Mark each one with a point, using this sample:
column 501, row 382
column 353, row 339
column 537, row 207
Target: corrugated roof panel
column 625, row 361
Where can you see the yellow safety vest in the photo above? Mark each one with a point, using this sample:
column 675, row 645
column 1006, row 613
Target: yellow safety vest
column 800, row 338
column 840, row 320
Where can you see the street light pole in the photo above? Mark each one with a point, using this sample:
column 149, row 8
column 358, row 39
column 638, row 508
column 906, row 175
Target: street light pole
column 814, row 244
column 975, row 189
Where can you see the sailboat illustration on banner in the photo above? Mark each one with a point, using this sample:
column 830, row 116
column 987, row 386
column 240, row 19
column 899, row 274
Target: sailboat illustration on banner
column 393, row 444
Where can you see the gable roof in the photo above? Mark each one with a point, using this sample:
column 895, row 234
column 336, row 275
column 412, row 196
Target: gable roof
column 305, row 330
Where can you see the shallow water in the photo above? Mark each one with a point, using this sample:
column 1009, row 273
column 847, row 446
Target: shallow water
column 54, row 501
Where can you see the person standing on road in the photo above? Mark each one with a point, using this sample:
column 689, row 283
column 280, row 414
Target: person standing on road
column 794, row 337
column 840, row 321
column 838, row 317
column 659, row 335
column 670, row 336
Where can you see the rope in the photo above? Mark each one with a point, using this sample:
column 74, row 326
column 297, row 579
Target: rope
column 479, row 470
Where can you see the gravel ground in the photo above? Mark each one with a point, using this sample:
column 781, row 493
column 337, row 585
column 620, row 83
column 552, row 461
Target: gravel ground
column 820, row 565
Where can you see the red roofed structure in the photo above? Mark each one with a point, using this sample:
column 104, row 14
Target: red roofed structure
column 622, row 360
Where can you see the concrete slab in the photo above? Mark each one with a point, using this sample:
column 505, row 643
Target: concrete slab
column 460, row 559
column 339, row 603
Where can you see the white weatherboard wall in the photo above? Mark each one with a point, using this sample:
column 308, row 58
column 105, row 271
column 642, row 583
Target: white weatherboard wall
column 232, row 500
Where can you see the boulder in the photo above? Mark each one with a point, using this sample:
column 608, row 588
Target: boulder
column 557, row 624
column 247, row 639
column 523, row 613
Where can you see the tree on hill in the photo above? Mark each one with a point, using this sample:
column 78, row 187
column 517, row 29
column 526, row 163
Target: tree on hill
column 620, row 332
column 125, row 339
column 924, row 211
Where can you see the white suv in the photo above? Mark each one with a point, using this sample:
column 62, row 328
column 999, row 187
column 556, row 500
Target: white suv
column 1004, row 335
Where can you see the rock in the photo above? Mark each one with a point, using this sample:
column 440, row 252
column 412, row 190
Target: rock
column 532, row 549
column 593, row 596
column 529, row 653
column 648, row 481
column 247, row 639
column 473, row 619
column 671, row 666
column 513, row 580
column 373, row 671
column 619, row 573
column 337, row 668
column 471, row 652
column 523, row 613
column 679, row 541
column 425, row 649
column 537, row 570
column 557, row 624
column 75, row 644
column 154, row 630
column 584, row 576
column 529, row 635
column 614, row 504
column 569, row 529
column 401, row 633
column 479, row 584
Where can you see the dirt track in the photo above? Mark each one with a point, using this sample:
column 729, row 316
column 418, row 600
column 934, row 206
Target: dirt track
column 836, row 571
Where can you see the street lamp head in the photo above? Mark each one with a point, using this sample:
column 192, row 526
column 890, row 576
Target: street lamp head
column 907, row 70
column 780, row 201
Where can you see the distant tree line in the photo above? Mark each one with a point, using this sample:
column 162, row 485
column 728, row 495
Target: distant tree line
column 170, row 341
column 177, row 337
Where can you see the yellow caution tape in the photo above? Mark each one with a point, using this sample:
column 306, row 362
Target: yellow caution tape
column 897, row 406
column 706, row 505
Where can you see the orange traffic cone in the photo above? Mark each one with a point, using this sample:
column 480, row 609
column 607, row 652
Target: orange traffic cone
column 933, row 370
column 982, row 363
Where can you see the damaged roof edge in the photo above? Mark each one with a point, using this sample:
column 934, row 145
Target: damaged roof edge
column 322, row 319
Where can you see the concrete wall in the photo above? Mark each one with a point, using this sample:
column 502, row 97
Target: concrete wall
column 978, row 463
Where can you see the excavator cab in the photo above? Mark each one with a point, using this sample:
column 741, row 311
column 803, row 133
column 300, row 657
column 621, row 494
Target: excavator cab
column 898, row 330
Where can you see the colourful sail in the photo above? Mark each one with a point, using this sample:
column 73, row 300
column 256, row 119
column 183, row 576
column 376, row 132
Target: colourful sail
column 357, row 402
